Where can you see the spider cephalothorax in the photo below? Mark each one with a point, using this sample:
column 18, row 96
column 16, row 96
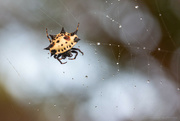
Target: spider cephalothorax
column 61, row 45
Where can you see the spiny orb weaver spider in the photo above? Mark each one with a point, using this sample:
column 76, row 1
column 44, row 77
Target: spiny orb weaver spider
column 62, row 44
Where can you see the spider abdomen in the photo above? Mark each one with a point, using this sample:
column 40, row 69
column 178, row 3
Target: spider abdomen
column 63, row 43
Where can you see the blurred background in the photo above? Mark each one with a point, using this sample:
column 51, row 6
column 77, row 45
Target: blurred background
column 129, row 71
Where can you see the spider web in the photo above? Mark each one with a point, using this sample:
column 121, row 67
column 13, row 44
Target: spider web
column 129, row 70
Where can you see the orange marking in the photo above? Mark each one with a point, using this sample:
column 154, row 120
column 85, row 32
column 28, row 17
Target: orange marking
column 67, row 38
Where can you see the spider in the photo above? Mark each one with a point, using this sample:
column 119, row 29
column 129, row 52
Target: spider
column 61, row 45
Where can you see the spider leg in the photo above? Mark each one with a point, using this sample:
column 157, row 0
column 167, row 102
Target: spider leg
column 62, row 58
column 59, row 56
column 78, row 50
column 61, row 62
column 74, row 56
column 59, row 59
column 48, row 35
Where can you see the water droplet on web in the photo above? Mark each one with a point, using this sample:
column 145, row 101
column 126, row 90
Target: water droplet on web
column 117, row 63
column 134, row 86
column 147, row 30
column 37, row 109
column 54, row 105
column 72, row 78
column 178, row 89
column 141, row 18
column 86, row 76
column 137, row 47
column 59, row 116
column 161, row 82
column 119, row 0
column 109, row 44
column 118, row 45
column 160, row 14
column 136, row 6
column 144, row 48
column 120, row 26
column 29, row 103
column 148, row 81
column 148, row 64
column 111, row 3
column 95, row 106
column 106, row 1
column 112, row 20
column 98, row 43
column 159, row 49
